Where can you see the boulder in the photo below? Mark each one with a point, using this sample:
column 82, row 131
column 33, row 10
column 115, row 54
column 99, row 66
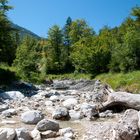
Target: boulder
column 127, row 127
column 123, row 100
column 51, row 93
column 7, row 134
column 22, row 134
column 54, row 98
column 70, row 103
column 9, row 112
column 48, row 134
column 124, row 129
column 31, row 117
column 61, row 113
column 48, row 103
column 139, row 120
column 3, row 107
column 107, row 113
column 46, row 124
column 35, row 134
column 12, row 95
column 89, row 110
column 75, row 115
column 67, row 132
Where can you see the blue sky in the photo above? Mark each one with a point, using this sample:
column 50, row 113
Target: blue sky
column 39, row 15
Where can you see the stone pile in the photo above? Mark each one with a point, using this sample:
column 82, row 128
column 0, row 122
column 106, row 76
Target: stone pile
column 70, row 109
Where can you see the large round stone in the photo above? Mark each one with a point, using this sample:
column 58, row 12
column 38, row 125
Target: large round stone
column 7, row 133
column 31, row 117
column 46, row 124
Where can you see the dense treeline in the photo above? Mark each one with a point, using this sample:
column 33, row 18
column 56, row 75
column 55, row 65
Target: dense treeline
column 75, row 48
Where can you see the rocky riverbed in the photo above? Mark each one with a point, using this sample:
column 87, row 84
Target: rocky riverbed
column 69, row 109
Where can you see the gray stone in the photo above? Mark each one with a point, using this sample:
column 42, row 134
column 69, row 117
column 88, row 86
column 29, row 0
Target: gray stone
column 9, row 112
column 22, row 134
column 127, row 100
column 127, row 128
column 89, row 110
column 60, row 85
column 31, row 117
column 46, row 124
column 12, row 95
column 7, row 134
column 61, row 113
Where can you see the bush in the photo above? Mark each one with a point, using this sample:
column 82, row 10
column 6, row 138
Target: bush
column 6, row 76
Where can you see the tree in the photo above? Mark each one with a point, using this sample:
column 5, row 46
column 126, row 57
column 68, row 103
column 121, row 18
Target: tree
column 66, row 50
column 126, row 55
column 53, row 51
column 79, row 29
column 136, row 12
column 81, row 36
column 27, row 59
column 7, row 42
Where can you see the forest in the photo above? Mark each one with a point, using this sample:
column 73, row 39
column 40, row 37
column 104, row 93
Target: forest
column 74, row 48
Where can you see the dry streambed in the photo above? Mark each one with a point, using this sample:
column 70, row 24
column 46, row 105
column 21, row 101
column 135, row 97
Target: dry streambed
column 68, row 109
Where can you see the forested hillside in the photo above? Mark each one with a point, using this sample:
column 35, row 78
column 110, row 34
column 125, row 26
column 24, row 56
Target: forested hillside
column 23, row 31
column 75, row 48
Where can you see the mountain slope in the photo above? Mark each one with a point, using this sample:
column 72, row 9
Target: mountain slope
column 24, row 32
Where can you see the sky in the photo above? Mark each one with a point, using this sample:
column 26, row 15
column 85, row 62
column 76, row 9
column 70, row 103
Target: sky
column 40, row 15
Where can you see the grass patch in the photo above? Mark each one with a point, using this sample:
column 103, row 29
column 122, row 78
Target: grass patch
column 122, row 81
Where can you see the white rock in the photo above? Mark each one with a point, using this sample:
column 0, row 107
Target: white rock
column 7, row 134
column 48, row 103
column 31, row 117
column 9, row 112
column 67, row 132
column 70, row 103
column 3, row 107
column 35, row 134
column 12, row 95
column 75, row 115
column 8, row 122
column 48, row 134
column 54, row 98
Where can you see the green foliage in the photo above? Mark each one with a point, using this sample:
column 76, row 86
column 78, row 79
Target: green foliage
column 7, row 74
column 27, row 59
column 7, row 40
column 78, row 30
column 74, row 48
column 120, row 81
column 52, row 52
column 126, row 55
